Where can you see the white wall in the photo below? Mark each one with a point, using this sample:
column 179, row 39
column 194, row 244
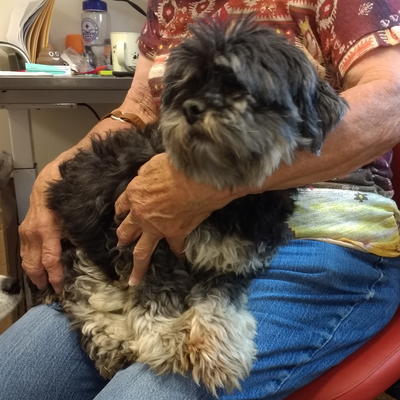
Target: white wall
column 56, row 130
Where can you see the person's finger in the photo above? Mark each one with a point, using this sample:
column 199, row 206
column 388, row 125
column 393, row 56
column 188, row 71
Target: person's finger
column 36, row 274
column 128, row 231
column 177, row 245
column 142, row 253
column 31, row 259
column 51, row 260
column 122, row 205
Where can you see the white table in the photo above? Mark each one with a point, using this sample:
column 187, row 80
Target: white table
column 19, row 95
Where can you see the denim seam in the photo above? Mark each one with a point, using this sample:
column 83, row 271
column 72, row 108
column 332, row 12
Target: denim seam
column 367, row 297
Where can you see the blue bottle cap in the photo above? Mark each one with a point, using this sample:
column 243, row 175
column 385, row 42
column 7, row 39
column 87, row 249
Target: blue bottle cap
column 98, row 5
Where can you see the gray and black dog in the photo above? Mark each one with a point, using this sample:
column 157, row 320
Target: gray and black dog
column 238, row 101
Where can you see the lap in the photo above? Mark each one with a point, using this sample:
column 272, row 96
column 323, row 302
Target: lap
column 40, row 358
column 316, row 304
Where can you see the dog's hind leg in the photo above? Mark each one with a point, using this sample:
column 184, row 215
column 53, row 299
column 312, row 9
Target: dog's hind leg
column 95, row 306
column 212, row 340
column 219, row 341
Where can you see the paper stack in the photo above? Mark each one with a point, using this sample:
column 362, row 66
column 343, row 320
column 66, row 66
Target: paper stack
column 30, row 26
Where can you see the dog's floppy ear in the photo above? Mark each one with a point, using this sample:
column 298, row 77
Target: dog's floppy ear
column 321, row 110
column 330, row 106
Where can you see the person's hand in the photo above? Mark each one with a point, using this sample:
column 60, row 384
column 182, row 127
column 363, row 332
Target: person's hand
column 162, row 202
column 40, row 236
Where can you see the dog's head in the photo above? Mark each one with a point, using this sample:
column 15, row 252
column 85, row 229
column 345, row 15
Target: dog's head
column 10, row 294
column 238, row 100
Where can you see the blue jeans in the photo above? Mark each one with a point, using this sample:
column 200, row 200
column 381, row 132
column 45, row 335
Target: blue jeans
column 316, row 304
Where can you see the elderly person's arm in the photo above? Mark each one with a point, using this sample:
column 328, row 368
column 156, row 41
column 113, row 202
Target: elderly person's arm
column 162, row 202
column 40, row 231
column 370, row 128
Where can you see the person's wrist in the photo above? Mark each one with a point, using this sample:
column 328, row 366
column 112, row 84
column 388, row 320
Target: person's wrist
column 201, row 195
column 208, row 195
column 122, row 116
column 101, row 129
column 51, row 170
column 244, row 190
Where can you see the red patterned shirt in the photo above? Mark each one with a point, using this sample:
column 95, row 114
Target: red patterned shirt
column 334, row 33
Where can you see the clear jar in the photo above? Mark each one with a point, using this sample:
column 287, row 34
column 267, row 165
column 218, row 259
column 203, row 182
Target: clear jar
column 95, row 26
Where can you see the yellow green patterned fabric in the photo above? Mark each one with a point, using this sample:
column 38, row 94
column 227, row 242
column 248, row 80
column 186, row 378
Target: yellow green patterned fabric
column 361, row 220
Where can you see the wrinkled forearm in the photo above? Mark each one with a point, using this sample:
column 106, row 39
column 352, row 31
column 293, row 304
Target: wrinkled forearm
column 370, row 128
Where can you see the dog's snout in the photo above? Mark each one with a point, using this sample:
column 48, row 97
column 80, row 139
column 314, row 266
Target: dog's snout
column 11, row 286
column 193, row 109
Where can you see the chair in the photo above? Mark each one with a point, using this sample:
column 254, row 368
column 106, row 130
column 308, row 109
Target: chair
column 373, row 368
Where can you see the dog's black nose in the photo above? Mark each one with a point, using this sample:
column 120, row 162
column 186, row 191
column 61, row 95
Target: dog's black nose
column 11, row 286
column 193, row 110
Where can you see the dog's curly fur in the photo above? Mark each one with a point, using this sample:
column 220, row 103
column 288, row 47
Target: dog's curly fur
column 238, row 100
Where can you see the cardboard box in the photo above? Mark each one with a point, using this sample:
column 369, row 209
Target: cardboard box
column 9, row 249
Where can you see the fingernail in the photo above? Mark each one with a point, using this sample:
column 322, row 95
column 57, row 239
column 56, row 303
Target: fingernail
column 133, row 282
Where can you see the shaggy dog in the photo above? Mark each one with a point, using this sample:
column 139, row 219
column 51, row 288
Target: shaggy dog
column 238, row 101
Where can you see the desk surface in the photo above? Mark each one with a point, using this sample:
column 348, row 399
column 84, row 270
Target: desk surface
column 85, row 82
column 74, row 89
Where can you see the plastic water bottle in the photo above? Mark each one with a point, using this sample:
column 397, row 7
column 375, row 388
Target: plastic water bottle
column 95, row 26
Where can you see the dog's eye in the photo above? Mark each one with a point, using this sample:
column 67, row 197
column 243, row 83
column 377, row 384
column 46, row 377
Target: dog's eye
column 239, row 96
